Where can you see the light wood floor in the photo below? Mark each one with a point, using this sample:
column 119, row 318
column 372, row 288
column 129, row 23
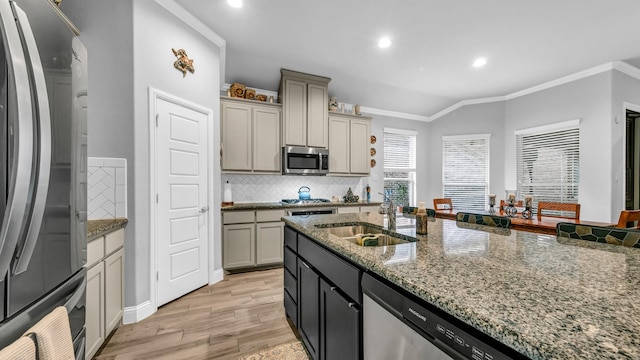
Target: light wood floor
column 237, row 316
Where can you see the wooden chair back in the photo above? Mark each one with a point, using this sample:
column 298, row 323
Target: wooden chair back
column 558, row 206
column 444, row 202
column 629, row 216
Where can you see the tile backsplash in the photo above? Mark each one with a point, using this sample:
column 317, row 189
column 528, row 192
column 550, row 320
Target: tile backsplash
column 107, row 188
column 267, row 188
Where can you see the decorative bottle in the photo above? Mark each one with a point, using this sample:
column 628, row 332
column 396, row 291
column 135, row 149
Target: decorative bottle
column 421, row 219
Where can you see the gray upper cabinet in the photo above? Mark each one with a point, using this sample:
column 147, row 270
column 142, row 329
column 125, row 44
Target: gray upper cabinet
column 250, row 136
column 349, row 149
column 305, row 101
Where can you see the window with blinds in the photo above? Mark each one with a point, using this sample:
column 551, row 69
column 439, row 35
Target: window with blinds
column 548, row 162
column 465, row 170
column 400, row 165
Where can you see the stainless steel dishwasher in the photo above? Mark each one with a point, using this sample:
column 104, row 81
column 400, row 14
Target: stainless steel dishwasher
column 396, row 327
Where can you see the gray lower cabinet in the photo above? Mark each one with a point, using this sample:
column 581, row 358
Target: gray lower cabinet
column 339, row 324
column 326, row 305
column 251, row 238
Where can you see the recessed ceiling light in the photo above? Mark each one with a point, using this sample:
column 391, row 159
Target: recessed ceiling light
column 479, row 62
column 384, row 42
column 235, row 3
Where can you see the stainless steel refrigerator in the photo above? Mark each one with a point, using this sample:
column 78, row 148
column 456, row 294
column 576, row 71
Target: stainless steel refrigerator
column 43, row 129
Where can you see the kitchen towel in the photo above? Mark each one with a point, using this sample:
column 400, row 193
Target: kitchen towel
column 53, row 336
column 21, row 349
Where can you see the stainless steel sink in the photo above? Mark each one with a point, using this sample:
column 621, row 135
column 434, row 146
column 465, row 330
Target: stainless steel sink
column 346, row 231
column 354, row 234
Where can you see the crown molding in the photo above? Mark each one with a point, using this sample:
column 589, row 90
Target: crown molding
column 627, row 68
column 617, row 65
column 394, row 114
column 197, row 25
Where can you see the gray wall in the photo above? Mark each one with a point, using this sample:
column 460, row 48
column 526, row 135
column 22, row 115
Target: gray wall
column 596, row 100
column 156, row 32
column 626, row 94
column 586, row 99
column 485, row 118
column 129, row 45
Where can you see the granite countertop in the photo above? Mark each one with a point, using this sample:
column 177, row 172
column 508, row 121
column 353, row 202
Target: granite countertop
column 278, row 205
column 97, row 228
column 545, row 297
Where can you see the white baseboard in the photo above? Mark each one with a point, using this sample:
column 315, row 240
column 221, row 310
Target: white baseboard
column 216, row 276
column 133, row 314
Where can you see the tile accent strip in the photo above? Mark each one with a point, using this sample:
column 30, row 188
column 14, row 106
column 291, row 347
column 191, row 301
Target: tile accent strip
column 107, row 188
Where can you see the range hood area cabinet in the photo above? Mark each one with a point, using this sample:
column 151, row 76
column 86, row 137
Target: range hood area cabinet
column 305, row 101
column 349, row 144
column 250, row 136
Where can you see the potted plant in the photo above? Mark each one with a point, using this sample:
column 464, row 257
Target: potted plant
column 402, row 192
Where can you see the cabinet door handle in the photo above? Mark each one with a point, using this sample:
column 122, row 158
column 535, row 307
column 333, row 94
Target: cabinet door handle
column 333, row 288
column 351, row 305
column 204, row 209
column 305, row 265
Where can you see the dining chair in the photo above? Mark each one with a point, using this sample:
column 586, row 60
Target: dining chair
column 445, row 202
column 480, row 219
column 601, row 234
column 629, row 216
column 559, row 209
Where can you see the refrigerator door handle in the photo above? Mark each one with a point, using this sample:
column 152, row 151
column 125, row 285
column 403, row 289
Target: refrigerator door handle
column 44, row 146
column 21, row 140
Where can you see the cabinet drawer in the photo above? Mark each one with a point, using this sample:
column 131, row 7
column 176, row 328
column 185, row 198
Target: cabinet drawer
column 95, row 251
column 291, row 285
column 348, row 210
column 342, row 274
column 369, row 208
column 269, row 215
column 113, row 241
column 291, row 239
column 290, row 260
column 291, row 309
column 238, row 217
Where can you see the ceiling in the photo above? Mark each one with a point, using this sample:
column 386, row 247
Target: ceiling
column 428, row 66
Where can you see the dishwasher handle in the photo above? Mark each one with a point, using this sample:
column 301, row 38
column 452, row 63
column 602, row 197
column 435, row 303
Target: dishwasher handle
column 383, row 294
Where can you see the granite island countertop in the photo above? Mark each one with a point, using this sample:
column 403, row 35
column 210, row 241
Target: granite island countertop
column 543, row 296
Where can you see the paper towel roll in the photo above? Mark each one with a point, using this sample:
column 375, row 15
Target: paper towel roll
column 227, row 193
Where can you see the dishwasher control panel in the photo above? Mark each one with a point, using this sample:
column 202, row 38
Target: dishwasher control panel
column 455, row 338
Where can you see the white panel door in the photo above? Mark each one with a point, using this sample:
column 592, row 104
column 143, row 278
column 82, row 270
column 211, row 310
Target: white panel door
column 182, row 223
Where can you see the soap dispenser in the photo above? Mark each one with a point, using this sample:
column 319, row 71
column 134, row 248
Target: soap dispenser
column 421, row 219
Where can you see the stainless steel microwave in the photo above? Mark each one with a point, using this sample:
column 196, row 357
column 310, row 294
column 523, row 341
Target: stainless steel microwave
column 298, row 160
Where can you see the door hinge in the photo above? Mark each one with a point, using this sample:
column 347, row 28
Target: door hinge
column 157, row 197
column 157, row 116
column 157, row 275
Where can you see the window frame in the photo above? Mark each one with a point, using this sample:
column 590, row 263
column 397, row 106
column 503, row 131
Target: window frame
column 457, row 204
column 539, row 131
column 411, row 170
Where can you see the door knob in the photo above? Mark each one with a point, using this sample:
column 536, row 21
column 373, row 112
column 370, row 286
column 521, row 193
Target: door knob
column 204, row 209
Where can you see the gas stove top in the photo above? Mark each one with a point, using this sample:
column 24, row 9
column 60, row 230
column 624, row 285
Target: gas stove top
column 309, row 201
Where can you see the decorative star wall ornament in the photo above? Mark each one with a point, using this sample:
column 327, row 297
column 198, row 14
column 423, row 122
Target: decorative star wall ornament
column 183, row 63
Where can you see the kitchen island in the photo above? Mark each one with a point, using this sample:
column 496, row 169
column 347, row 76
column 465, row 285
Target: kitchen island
column 543, row 296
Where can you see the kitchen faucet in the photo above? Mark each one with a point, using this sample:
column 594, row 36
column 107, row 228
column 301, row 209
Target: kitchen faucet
column 391, row 212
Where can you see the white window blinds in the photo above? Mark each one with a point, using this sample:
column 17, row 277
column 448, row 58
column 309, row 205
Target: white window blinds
column 548, row 162
column 465, row 170
column 400, row 165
